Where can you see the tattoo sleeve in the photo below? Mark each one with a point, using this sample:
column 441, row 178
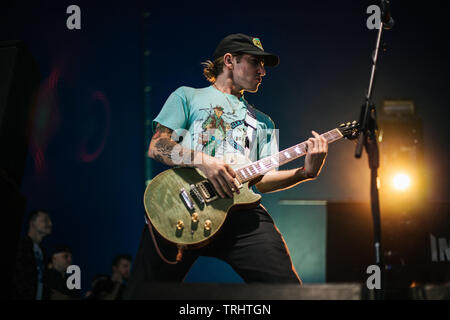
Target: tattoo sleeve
column 168, row 151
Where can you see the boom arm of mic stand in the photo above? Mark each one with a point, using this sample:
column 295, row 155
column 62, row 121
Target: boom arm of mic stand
column 364, row 117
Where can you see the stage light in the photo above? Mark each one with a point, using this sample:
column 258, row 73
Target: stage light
column 402, row 171
column 401, row 181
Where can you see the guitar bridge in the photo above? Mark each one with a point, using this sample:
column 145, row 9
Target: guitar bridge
column 207, row 191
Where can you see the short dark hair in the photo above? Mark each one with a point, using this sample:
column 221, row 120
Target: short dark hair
column 119, row 257
column 34, row 214
column 60, row 249
column 101, row 284
column 98, row 277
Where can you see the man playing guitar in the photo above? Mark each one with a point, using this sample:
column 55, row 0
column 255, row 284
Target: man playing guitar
column 216, row 120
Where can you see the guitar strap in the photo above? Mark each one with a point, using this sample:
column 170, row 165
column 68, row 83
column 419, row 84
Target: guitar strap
column 250, row 123
column 179, row 256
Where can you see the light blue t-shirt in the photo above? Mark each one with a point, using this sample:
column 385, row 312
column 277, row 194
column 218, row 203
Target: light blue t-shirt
column 212, row 122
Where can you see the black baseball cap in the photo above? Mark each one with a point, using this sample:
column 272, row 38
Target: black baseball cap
column 242, row 43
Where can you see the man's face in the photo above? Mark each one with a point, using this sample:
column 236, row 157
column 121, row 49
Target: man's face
column 42, row 224
column 61, row 261
column 123, row 268
column 248, row 72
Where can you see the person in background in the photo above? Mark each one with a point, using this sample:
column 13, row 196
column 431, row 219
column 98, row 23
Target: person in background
column 121, row 266
column 60, row 260
column 106, row 287
column 103, row 288
column 29, row 281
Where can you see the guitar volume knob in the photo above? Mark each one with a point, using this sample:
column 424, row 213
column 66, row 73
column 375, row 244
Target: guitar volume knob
column 180, row 224
column 208, row 224
column 194, row 217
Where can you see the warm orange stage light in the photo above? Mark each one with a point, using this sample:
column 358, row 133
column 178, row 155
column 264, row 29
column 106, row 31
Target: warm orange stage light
column 401, row 181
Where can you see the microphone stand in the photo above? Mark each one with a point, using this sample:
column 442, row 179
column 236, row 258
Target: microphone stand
column 367, row 139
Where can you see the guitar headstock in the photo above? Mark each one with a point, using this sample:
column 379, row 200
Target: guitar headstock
column 350, row 130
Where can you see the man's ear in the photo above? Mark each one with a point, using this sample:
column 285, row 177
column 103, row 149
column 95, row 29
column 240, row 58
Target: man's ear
column 228, row 60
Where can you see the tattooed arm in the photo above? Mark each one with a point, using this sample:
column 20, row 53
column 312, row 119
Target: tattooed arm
column 165, row 150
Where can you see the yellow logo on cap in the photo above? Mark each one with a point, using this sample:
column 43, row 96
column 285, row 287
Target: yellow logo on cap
column 257, row 43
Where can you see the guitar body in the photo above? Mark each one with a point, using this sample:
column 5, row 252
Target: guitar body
column 165, row 207
column 184, row 208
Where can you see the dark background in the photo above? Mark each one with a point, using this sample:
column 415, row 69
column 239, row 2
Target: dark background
column 87, row 156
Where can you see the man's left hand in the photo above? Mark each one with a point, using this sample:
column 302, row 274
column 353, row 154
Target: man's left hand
column 316, row 154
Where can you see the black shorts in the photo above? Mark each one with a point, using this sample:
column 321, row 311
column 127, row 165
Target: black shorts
column 249, row 242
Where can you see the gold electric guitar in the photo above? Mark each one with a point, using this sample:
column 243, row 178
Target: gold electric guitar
column 184, row 208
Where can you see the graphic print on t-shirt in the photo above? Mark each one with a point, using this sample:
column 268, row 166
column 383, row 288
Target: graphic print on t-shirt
column 219, row 131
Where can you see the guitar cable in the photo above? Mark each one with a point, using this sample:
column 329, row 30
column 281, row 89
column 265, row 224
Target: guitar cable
column 179, row 256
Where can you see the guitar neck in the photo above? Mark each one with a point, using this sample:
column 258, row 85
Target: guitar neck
column 260, row 167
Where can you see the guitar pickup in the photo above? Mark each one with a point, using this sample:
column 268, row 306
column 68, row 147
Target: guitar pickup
column 206, row 189
column 187, row 201
column 196, row 195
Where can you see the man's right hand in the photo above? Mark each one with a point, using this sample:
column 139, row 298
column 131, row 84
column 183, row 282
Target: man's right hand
column 221, row 175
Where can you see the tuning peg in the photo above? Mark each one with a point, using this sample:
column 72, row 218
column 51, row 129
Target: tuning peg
column 348, row 124
column 354, row 122
column 342, row 125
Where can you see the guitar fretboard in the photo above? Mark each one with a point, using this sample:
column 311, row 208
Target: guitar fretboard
column 264, row 165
